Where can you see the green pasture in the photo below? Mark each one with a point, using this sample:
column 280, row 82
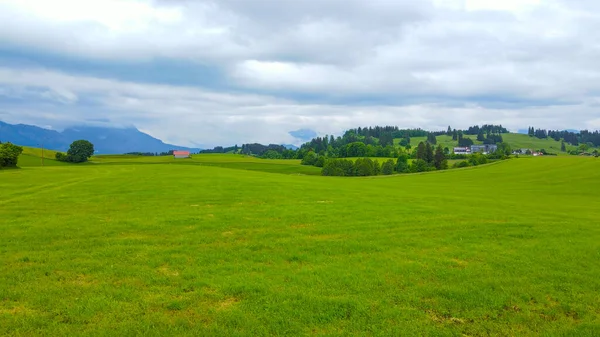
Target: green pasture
column 126, row 248
column 233, row 161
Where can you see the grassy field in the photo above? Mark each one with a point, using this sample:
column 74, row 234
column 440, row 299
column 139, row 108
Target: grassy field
column 516, row 141
column 130, row 249
column 233, row 161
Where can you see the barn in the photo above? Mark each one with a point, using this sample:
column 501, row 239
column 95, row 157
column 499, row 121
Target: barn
column 181, row 154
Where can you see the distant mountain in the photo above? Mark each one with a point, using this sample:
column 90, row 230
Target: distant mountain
column 290, row 146
column 303, row 134
column 105, row 140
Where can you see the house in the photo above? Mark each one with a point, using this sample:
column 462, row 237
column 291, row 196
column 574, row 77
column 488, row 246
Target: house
column 181, row 154
column 485, row 148
column 462, row 150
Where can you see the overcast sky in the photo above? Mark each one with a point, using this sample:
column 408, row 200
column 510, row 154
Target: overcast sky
column 205, row 73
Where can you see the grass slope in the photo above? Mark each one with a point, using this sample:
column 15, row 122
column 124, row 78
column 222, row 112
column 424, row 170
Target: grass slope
column 32, row 157
column 506, row 249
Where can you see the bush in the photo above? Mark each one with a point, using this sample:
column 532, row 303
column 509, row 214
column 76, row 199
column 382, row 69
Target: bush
column 388, row 167
column 309, row 159
column 320, row 162
column 61, row 156
column 338, row 167
column 461, row 164
column 402, row 164
column 419, row 165
column 364, row 167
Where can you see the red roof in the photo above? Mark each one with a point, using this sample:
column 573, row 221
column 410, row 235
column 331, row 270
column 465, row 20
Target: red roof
column 181, row 153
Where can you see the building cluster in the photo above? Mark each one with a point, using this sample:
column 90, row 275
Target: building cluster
column 483, row 149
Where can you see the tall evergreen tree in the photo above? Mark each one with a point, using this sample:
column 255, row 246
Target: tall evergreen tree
column 421, row 151
column 429, row 154
column 480, row 136
column 563, row 147
column 449, row 132
column 439, row 161
column 454, row 135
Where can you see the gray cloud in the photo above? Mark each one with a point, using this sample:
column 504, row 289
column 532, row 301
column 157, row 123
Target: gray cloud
column 441, row 62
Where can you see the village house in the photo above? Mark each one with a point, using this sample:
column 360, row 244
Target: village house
column 181, row 154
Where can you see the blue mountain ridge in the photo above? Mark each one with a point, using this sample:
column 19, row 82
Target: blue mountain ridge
column 106, row 140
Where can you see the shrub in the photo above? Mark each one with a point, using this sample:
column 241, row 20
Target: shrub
column 309, row 159
column 320, row 162
column 388, row 167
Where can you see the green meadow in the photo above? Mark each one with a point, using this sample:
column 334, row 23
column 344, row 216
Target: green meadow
column 222, row 245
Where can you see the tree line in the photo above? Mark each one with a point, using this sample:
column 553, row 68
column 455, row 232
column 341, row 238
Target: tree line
column 591, row 138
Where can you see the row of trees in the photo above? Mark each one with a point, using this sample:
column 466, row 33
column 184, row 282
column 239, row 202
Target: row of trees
column 426, row 159
column 362, row 167
column 485, row 129
column 9, row 154
column 591, row 138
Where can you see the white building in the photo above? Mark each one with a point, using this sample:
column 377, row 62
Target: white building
column 462, row 150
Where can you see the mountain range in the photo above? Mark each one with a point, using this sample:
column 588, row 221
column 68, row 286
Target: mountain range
column 106, row 140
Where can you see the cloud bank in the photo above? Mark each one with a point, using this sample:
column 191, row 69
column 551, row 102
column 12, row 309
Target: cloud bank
column 232, row 71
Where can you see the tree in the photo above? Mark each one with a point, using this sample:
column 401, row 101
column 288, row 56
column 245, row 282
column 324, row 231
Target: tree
column 449, row 132
column 563, row 147
column 480, row 136
column 439, row 161
column 364, row 167
column 421, row 151
column 504, row 150
column 429, row 154
column 320, row 162
column 9, row 154
column 419, row 165
column 454, row 135
column 309, row 159
column 431, row 139
column 464, row 142
column 388, row 167
column 79, row 152
column 402, row 163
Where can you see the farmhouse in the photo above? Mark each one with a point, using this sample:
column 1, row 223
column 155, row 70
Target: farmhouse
column 462, row 150
column 485, row 149
column 181, row 154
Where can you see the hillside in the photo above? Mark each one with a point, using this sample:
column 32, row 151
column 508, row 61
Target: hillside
column 515, row 140
column 32, row 157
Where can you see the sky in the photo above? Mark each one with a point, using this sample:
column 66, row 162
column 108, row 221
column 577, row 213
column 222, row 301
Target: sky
column 206, row 73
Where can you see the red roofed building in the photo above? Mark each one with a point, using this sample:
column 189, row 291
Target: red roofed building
column 181, row 154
